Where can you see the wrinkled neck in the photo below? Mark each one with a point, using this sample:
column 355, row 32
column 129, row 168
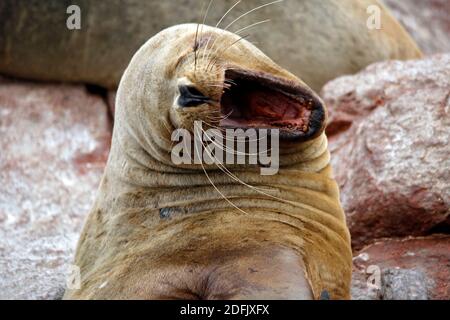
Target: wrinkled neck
column 134, row 163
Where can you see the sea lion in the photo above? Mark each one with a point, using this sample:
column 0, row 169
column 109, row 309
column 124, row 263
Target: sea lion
column 164, row 231
column 316, row 40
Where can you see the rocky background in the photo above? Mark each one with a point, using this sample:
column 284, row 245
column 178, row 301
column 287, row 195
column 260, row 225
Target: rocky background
column 389, row 136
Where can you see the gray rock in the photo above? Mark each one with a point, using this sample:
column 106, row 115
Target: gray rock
column 403, row 269
column 403, row 284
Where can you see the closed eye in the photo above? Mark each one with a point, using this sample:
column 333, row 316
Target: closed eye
column 191, row 97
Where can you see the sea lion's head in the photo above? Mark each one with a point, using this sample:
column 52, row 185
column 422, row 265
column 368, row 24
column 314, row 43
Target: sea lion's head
column 193, row 72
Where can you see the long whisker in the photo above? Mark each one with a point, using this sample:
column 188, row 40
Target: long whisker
column 226, row 82
column 230, row 151
column 248, row 12
column 196, row 44
column 218, row 23
column 214, row 115
column 214, row 85
column 225, row 170
column 225, row 148
column 251, row 26
column 227, row 139
column 209, row 39
column 226, row 13
column 236, row 32
column 205, row 16
column 252, row 187
column 217, row 189
column 196, row 48
column 230, row 82
column 213, row 61
column 206, row 13
column 220, row 117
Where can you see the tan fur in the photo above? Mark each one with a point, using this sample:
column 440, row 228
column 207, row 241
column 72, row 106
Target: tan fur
column 293, row 247
column 317, row 40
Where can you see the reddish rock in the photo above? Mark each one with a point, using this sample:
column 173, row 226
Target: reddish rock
column 389, row 138
column 54, row 141
column 427, row 21
column 407, row 269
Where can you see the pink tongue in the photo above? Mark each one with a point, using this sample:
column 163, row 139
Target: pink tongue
column 272, row 105
column 257, row 108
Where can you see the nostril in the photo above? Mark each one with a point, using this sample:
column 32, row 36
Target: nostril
column 189, row 90
column 191, row 97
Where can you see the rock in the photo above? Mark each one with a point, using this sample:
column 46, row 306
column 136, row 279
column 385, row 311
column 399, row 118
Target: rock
column 427, row 21
column 389, row 137
column 406, row 269
column 403, row 284
column 54, row 142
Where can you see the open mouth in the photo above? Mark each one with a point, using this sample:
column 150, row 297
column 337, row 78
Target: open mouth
column 261, row 101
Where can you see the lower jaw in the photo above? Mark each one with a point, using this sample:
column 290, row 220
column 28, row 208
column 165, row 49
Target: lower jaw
column 284, row 134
